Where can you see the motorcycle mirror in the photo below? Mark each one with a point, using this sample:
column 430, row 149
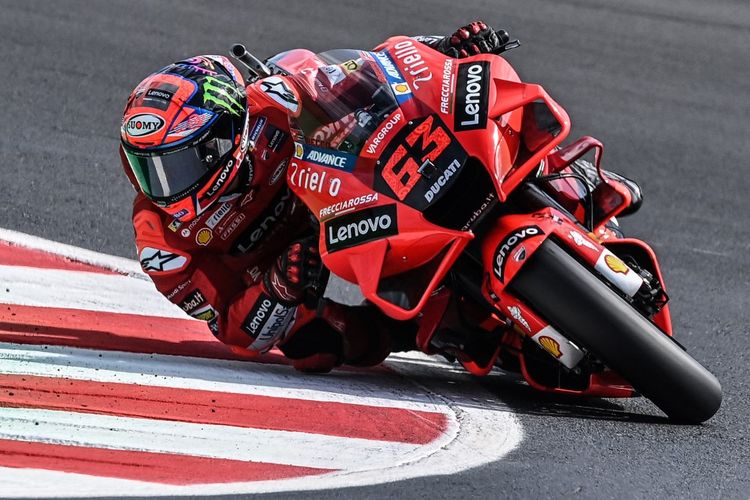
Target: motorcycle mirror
column 254, row 65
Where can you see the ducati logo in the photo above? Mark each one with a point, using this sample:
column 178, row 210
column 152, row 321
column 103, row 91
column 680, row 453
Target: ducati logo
column 508, row 244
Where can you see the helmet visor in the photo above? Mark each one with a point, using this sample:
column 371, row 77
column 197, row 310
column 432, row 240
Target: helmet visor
column 171, row 174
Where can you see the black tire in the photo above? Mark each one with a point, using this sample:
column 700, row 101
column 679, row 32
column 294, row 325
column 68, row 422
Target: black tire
column 576, row 302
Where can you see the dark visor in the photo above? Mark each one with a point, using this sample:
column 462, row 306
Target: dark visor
column 167, row 175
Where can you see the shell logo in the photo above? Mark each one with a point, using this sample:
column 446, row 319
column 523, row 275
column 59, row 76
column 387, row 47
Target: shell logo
column 551, row 345
column 298, row 150
column 400, row 88
column 615, row 264
column 204, row 236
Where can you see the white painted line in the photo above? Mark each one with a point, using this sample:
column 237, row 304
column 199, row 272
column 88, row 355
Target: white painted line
column 239, row 377
column 483, row 435
column 30, row 286
column 478, row 433
column 111, row 262
column 206, row 440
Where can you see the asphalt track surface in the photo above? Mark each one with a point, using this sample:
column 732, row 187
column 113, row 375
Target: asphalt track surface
column 664, row 86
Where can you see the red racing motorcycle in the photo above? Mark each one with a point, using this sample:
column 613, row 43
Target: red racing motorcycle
column 442, row 190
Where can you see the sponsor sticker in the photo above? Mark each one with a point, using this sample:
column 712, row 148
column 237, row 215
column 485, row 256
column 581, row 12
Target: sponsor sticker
column 520, row 255
column 219, row 214
column 476, row 214
column 279, row 172
column 441, row 181
column 507, row 245
column 194, row 300
column 551, row 345
column 384, row 131
column 351, row 65
column 276, row 138
column 413, row 63
column 325, row 157
column 360, row 227
column 446, row 87
column 397, row 82
column 249, row 197
column 267, row 322
column 143, row 124
column 579, row 240
column 174, row 225
column 472, row 93
column 178, row 289
column 156, row 260
column 516, row 314
column 299, row 150
column 260, row 123
column 618, row 273
column 277, row 89
column 205, row 313
column 347, row 205
column 232, row 227
column 558, row 346
column 615, row 264
column 204, row 236
column 401, row 88
column 220, row 181
column 334, row 73
column 316, row 182
column 264, row 224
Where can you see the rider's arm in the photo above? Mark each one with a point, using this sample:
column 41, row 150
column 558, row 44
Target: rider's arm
column 239, row 309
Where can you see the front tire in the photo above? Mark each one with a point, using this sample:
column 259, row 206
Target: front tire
column 592, row 315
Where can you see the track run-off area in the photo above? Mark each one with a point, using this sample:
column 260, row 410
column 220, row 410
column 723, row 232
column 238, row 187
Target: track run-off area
column 106, row 386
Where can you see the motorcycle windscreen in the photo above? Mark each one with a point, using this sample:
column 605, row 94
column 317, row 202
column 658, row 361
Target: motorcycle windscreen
column 343, row 101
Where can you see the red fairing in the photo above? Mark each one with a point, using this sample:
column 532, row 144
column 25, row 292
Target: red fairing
column 401, row 152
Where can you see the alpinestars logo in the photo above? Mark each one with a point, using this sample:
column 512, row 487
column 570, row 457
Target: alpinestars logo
column 360, row 227
column 222, row 94
column 508, row 244
column 279, row 91
column 472, row 91
column 157, row 260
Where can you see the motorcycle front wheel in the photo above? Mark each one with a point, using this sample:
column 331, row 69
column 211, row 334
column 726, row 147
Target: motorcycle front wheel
column 592, row 315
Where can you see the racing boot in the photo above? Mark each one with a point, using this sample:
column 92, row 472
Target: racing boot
column 588, row 170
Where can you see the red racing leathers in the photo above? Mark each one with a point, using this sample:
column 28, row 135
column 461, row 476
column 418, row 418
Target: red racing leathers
column 214, row 266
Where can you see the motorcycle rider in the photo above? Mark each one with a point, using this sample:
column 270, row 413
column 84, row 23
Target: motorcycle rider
column 219, row 232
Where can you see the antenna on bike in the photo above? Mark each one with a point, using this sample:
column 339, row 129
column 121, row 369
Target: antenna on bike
column 254, row 65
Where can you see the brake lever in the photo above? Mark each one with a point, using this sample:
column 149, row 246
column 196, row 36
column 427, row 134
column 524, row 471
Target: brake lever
column 509, row 45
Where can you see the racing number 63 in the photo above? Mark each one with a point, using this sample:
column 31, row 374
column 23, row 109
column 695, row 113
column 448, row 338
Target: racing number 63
column 401, row 172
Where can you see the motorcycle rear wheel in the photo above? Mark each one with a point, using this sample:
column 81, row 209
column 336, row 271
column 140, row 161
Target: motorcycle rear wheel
column 593, row 316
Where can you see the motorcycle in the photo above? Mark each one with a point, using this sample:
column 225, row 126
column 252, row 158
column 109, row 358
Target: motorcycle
column 442, row 189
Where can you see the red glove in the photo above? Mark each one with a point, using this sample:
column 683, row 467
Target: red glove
column 296, row 270
column 474, row 38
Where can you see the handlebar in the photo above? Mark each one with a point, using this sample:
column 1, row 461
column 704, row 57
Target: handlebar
column 254, row 65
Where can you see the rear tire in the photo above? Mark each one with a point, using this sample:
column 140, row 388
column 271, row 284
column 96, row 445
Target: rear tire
column 592, row 315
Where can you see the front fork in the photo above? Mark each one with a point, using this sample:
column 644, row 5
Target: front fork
column 508, row 246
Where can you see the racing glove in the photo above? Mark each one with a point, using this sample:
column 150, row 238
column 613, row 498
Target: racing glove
column 296, row 270
column 474, row 38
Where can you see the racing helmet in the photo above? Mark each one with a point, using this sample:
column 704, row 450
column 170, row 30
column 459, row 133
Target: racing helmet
column 185, row 134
